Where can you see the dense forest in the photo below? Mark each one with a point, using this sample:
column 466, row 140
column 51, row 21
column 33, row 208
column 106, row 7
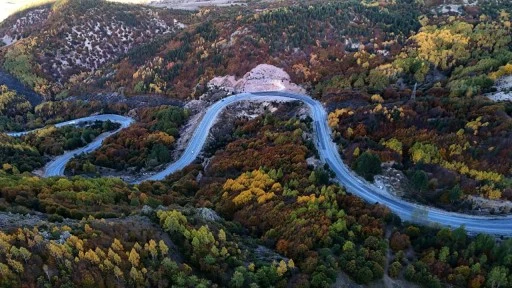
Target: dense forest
column 405, row 84
column 315, row 228
column 448, row 148
column 147, row 144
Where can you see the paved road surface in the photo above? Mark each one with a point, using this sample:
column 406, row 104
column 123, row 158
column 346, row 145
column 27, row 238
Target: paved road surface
column 328, row 152
column 58, row 164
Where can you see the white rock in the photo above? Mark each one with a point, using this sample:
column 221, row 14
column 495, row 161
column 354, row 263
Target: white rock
column 208, row 214
column 263, row 77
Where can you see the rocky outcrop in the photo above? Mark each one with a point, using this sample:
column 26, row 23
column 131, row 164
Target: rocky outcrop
column 263, row 77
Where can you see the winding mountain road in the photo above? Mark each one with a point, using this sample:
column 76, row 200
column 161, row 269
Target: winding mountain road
column 328, row 151
column 58, row 164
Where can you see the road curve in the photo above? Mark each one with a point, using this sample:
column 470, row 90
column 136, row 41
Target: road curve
column 58, row 164
column 328, row 151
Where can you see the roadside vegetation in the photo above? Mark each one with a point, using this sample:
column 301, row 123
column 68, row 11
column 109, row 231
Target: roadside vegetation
column 147, row 144
column 314, row 227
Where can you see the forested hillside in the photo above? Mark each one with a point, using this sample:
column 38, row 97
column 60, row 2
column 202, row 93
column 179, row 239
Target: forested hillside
column 146, row 145
column 347, row 44
column 314, row 227
column 61, row 44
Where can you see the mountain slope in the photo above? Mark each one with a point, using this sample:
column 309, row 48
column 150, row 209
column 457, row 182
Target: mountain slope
column 63, row 43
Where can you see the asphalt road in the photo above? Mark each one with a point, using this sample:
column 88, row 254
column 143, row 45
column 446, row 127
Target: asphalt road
column 58, row 164
column 497, row 225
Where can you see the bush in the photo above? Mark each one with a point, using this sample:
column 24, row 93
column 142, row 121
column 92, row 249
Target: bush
column 368, row 165
column 55, row 218
column 419, row 180
column 394, row 269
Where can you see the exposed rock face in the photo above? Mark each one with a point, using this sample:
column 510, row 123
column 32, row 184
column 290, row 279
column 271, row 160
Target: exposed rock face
column 208, row 214
column 263, row 77
column 503, row 89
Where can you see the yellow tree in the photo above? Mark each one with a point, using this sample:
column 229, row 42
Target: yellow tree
column 222, row 235
column 92, row 257
column 282, row 268
column 15, row 265
column 5, row 272
column 114, row 256
column 134, row 257
column 107, row 265
column 117, row 245
column 24, row 254
column 118, row 273
column 151, row 248
column 164, row 250
column 136, row 276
